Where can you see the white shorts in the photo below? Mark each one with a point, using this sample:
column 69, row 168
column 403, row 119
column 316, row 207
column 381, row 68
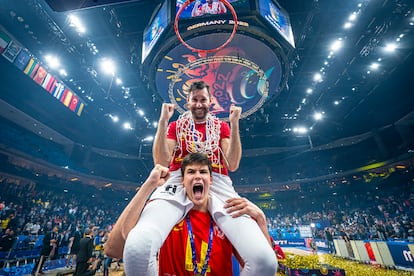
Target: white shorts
column 220, row 190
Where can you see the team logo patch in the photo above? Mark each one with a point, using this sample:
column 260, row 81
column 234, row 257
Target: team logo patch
column 170, row 189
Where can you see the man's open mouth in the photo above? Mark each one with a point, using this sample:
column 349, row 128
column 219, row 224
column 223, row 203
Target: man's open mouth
column 198, row 190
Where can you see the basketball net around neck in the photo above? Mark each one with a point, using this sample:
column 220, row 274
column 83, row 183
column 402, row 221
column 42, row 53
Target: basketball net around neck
column 193, row 139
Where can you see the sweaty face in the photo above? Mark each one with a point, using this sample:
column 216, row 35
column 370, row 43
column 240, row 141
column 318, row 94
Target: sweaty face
column 199, row 104
column 197, row 180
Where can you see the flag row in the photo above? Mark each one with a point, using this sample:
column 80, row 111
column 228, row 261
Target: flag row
column 30, row 66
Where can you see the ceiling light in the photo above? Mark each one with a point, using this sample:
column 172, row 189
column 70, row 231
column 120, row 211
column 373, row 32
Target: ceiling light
column 335, row 46
column 300, row 130
column 317, row 77
column 108, row 66
column 353, row 16
column 336, row 102
column 347, row 25
column 52, row 61
column 318, row 116
column 390, row 47
column 127, row 125
column 63, row 72
column 114, row 118
column 309, row 91
column 118, row 81
column 75, row 22
column 374, row 66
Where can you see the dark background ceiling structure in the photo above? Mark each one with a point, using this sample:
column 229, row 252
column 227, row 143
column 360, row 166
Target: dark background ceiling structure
column 367, row 110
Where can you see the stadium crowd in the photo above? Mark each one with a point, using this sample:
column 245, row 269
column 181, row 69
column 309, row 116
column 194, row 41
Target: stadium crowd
column 385, row 212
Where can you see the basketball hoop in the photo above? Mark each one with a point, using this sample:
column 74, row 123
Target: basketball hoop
column 202, row 52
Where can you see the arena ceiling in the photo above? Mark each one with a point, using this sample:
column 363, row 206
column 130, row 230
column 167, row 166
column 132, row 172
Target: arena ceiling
column 362, row 51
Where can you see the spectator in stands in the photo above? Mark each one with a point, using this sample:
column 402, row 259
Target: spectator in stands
column 84, row 259
column 27, row 227
column 107, row 260
column 13, row 223
column 7, row 240
column 74, row 246
column 313, row 247
column 98, row 246
column 329, row 237
column 5, row 222
column 49, row 250
column 34, row 230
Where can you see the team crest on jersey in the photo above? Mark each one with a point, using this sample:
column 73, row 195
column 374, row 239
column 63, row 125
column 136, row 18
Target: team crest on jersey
column 179, row 226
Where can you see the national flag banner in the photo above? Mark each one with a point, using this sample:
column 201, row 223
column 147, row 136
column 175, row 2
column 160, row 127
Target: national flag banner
column 52, row 86
column 68, row 98
column 55, row 89
column 40, row 75
column 4, row 41
column 63, row 95
column 29, row 66
column 74, row 103
column 79, row 108
column 49, row 82
column 34, row 71
column 46, row 80
column 22, row 59
column 59, row 90
column 12, row 50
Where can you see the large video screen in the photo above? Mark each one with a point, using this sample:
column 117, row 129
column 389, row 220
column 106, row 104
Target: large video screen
column 210, row 7
column 153, row 32
column 278, row 19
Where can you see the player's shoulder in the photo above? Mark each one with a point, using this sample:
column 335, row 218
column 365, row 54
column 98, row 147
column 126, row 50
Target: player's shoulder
column 224, row 124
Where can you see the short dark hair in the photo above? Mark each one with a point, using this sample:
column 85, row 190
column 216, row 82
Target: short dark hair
column 196, row 158
column 199, row 85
